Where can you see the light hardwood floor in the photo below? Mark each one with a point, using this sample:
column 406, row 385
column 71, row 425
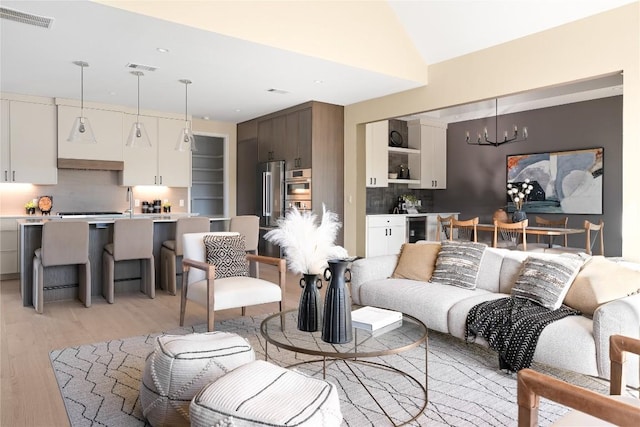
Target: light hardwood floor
column 29, row 394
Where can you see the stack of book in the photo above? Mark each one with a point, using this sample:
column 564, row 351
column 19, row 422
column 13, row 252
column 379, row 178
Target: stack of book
column 376, row 320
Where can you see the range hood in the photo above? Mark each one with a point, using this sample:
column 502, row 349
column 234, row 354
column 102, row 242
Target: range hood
column 99, row 165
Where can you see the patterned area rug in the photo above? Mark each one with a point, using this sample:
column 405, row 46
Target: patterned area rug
column 100, row 382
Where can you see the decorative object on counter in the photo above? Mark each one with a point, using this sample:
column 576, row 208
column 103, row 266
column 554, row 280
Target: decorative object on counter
column 81, row 131
column 166, row 207
column 519, row 195
column 336, row 328
column 500, row 215
column 309, row 309
column 138, row 136
column 30, row 207
column 45, row 203
column 393, row 175
column 484, row 138
column 307, row 246
column 395, row 139
column 157, row 206
column 401, row 172
column 186, row 140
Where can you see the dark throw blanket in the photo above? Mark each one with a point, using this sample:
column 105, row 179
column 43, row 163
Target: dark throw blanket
column 512, row 326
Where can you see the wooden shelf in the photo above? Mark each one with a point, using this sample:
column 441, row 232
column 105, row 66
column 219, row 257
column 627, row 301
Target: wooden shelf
column 404, row 181
column 404, row 150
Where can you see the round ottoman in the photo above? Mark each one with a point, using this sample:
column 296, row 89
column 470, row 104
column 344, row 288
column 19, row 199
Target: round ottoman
column 180, row 366
column 261, row 393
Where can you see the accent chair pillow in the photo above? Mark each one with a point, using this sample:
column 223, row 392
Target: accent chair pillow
column 227, row 254
column 599, row 282
column 547, row 281
column 458, row 263
column 417, row 261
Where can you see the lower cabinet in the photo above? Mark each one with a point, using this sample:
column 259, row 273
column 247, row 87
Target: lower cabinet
column 385, row 234
column 8, row 246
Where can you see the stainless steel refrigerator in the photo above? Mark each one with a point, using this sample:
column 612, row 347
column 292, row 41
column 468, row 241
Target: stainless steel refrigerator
column 270, row 204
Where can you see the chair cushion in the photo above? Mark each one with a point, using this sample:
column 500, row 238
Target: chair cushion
column 417, row 261
column 233, row 292
column 170, row 244
column 547, row 281
column 261, row 393
column 178, row 368
column 227, row 254
column 458, row 263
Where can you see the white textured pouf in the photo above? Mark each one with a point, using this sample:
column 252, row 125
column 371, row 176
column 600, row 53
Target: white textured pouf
column 261, row 393
column 180, row 366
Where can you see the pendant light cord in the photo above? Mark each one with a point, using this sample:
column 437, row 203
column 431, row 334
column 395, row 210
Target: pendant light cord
column 186, row 101
column 82, row 91
column 138, row 110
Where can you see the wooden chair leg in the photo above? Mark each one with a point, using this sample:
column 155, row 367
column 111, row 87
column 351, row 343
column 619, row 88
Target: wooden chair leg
column 244, row 311
column 210, row 306
column 183, row 295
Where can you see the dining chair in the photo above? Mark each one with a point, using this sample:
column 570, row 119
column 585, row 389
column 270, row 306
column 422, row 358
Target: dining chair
column 463, row 229
column 132, row 240
column 594, row 232
column 589, row 407
column 171, row 250
column 212, row 275
column 507, row 234
column 249, row 227
column 63, row 243
column 444, row 226
column 544, row 222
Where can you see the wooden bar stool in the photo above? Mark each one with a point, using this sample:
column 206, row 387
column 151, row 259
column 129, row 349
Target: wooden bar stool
column 63, row 243
column 172, row 249
column 132, row 239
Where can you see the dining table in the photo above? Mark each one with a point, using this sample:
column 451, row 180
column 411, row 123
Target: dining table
column 550, row 232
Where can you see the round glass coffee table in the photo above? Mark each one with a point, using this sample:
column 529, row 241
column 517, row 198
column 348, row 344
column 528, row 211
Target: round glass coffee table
column 357, row 358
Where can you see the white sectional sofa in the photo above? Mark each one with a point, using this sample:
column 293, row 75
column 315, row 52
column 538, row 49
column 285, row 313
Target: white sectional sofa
column 578, row 343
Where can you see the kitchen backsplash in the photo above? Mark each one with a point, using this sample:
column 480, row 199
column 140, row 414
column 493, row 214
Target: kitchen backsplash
column 382, row 200
column 87, row 191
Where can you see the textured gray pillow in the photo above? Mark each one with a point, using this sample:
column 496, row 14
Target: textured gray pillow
column 546, row 281
column 458, row 263
column 227, row 254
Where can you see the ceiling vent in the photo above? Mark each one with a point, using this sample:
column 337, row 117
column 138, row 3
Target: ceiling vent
column 278, row 91
column 141, row 67
column 25, row 18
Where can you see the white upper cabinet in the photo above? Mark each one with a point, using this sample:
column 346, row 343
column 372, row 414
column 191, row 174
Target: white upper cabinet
column 107, row 127
column 28, row 142
column 377, row 160
column 431, row 136
column 140, row 162
column 174, row 167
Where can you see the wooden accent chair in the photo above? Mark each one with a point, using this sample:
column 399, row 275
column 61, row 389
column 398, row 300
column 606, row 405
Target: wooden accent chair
column 199, row 283
column 444, row 226
column 594, row 232
column 507, row 234
column 590, row 407
column 464, row 229
column 544, row 222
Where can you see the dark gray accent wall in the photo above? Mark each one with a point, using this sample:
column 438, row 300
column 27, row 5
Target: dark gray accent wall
column 476, row 176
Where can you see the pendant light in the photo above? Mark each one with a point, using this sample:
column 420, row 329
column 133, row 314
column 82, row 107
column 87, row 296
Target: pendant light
column 186, row 141
column 81, row 131
column 138, row 136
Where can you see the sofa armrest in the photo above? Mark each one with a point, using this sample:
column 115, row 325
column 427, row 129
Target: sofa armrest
column 617, row 317
column 372, row 268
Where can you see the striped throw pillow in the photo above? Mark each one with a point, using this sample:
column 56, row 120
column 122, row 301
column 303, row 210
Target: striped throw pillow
column 458, row 263
column 546, row 281
column 227, row 254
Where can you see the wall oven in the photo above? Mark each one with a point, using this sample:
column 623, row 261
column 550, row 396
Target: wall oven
column 297, row 184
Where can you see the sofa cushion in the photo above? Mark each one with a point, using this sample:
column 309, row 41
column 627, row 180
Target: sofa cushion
column 227, row 254
column 601, row 281
column 458, row 263
column 490, row 268
column 417, row 261
column 457, row 316
column 546, row 281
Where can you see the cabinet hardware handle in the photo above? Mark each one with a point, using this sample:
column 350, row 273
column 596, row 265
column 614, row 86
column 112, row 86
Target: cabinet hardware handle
column 155, row 179
column 389, row 232
column 14, row 175
column 375, row 181
column 6, row 175
column 160, row 179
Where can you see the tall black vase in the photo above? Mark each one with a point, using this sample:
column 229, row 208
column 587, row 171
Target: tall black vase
column 336, row 327
column 309, row 309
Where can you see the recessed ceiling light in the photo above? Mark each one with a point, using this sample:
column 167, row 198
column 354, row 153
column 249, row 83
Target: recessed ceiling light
column 112, row 93
column 237, row 110
column 278, row 91
column 205, row 117
column 318, row 81
column 162, row 50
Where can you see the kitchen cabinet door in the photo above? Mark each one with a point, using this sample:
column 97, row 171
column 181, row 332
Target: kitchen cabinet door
column 29, row 143
column 8, row 246
column 377, row 152
column 432, row 138
column 174, row 167
column 385, row 234
column 140, row 163
column 272, row 134
column 298, row 140
column 265, row 135
column 107, row 128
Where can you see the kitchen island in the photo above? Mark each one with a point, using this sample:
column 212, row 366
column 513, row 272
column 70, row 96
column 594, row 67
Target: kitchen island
column 61, row 282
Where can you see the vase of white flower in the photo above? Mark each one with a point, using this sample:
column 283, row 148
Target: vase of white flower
column 519, row 193
column 309, row 308
column 336, row 328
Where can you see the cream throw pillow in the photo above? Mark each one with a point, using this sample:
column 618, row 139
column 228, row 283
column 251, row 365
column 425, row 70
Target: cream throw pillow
column 601, row 281
column 417, row 261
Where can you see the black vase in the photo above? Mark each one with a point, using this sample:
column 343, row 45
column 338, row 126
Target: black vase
column 309, row 309
column 336, row 327
column 518, row 216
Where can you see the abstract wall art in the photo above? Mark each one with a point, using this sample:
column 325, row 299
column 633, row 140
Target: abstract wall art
column 567, row 182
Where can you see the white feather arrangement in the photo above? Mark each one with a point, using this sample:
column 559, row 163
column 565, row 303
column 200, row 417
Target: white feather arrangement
column 307, row 246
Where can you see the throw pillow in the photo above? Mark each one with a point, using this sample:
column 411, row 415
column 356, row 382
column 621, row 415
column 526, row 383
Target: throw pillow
column 227, row 254
column 601, row 281
column 416, row 261
column 546, row 281
column 458, row 263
